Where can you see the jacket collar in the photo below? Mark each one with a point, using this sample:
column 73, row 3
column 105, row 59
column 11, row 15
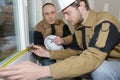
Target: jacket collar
column 57, row 22
column 90, row 20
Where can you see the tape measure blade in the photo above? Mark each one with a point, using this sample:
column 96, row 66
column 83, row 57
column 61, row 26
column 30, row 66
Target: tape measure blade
column 14, row 58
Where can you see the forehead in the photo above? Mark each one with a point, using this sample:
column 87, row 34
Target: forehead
column 48, row 8
column 68, row 9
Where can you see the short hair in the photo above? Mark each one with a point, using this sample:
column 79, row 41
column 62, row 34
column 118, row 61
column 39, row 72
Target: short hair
column 76, row 4
column 47, row 4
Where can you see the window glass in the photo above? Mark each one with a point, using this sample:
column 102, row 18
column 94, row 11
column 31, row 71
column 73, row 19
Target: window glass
column 7, row 29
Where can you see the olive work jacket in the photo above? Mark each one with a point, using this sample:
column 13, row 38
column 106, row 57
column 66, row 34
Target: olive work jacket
column 102, row 41
column 59, row 28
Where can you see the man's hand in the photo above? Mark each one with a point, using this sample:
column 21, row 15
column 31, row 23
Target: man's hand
column 24, row 71
column 58, row 40
column 39, row 51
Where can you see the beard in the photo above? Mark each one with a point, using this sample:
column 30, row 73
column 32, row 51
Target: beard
column 79, row 23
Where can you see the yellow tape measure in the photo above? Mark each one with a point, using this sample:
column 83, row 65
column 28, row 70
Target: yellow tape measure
column 16, row 56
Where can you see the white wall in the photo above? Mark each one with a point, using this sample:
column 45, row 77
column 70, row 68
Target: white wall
column 111, row 6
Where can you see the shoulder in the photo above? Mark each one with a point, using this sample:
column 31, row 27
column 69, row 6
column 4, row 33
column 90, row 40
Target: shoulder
column 42, row 24
column 39, row 23
column 59, row 21
column 105, row 16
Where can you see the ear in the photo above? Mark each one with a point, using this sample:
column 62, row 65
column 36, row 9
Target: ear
column 82, row 3
column 82, row 6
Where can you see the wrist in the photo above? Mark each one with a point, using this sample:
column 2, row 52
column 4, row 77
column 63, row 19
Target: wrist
column 46, row 71
column 63, row 41
column 47, row 54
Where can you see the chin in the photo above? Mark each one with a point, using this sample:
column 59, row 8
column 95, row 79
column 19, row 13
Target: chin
column 51, row 22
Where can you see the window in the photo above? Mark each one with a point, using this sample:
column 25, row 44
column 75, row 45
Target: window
column 13, row 28
column 7, row 29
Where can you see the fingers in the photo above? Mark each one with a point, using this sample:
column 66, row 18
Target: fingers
column 13, row 67
column 37, row 50
column 14, row 77
column 57, row 40
column 10, row 73
column 35, row 47
column 14, row 72
column 8, row 68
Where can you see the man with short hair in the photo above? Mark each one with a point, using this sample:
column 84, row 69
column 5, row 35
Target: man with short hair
column 51, row 25
column 97, row 34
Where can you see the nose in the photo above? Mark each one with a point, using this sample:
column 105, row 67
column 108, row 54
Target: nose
column 50, row 15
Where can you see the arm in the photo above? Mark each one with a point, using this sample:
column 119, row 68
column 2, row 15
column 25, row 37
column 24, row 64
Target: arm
column 56, row 54
column 25, row 71
column 63, row 54
column 73, row 50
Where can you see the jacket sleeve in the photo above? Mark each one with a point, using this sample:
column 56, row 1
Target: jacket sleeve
column 77, row 65
column 63, row 54
column 92, row 57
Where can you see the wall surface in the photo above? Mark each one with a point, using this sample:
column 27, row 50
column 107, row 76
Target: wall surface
column 111, row 6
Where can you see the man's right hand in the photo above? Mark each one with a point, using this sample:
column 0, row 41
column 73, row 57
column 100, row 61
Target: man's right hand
column 39, row 51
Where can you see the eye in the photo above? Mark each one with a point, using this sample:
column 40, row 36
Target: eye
column 67, row 14
column 52, row 12
column 46, row 14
